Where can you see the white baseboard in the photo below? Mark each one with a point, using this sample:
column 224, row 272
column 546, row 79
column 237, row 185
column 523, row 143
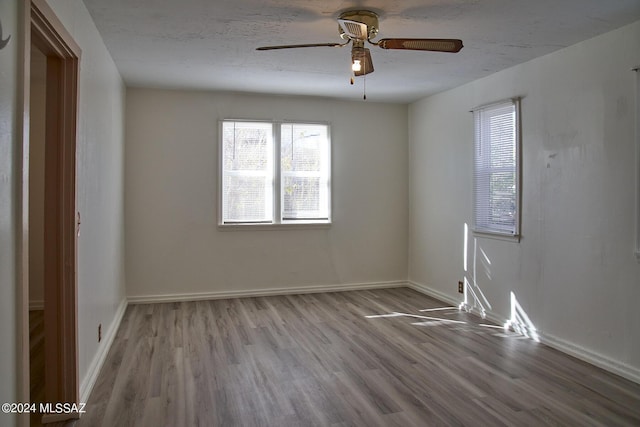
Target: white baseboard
column 454, row 301
column 145, row 299
column 435, row 294
column 89, row 380
column 36, row 305
column 626, row 371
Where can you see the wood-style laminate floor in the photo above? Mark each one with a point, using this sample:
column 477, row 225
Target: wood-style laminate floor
column 36, row 362
column 390, row 357
column 37, row 367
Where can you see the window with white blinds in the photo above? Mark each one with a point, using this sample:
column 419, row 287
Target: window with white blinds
column 304, row 172
column 275, row 173
column 247, row 178
column 496, row 169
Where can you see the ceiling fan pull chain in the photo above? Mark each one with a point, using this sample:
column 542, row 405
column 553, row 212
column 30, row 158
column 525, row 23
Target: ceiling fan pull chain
column 364, row 87
column 358, row 27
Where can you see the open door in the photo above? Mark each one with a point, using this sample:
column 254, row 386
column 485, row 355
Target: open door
column 46, row 34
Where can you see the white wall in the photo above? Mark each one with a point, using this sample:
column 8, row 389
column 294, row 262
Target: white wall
column 9, row 144
column 100, row 190
column 574, row 271
column 172, row 243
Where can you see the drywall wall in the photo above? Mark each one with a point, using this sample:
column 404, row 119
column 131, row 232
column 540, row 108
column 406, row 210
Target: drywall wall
column 99, row 186
column 9, row 144
column 37, row 111
column 574, row 272
column 173, row 244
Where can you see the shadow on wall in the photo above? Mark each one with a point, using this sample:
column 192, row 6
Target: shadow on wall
column 475, row 299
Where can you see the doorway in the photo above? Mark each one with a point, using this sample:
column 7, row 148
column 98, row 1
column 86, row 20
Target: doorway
column 37, row 140
column 50, row 227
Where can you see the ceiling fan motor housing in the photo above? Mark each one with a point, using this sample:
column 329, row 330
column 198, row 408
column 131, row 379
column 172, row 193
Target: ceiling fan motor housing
column 358, row 25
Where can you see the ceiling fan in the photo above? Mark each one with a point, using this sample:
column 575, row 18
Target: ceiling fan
column 360, row 26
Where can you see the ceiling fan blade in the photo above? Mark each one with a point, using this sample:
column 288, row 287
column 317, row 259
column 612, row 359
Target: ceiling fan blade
column 353, row 29
column 296, row 46
column 364, row 56
column 432, row 45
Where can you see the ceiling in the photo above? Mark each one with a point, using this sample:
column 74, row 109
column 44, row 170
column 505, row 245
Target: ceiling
column 210, row 44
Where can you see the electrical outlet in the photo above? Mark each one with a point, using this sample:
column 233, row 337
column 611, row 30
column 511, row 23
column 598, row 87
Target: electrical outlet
column 461, row 287
column 100, row 332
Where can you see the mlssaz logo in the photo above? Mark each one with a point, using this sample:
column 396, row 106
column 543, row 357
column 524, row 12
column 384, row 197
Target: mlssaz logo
column 3, row 42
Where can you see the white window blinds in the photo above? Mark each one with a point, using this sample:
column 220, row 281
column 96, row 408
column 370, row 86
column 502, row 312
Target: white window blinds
column 304, row 152
column 275, row 173
column 496, row 169
column 247, row 177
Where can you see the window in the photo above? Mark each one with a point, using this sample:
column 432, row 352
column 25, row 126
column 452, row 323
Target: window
column 304, row 168
column 497, row 169
column 275, row 173
column 247, row 164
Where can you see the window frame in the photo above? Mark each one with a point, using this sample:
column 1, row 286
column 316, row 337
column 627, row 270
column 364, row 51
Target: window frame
column 278, row 222
column 486, row 229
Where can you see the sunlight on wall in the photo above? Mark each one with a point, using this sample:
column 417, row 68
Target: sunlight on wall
column 520, row 321
column 472, row 291
column 475, row 299
column 465, row 245
column 637, row 71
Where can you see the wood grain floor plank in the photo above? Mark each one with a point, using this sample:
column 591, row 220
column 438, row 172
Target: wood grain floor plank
column 36, row 363
column 362, row 358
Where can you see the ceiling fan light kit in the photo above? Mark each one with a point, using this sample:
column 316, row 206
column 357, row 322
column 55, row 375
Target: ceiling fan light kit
column 360, row 26
column 361, row 63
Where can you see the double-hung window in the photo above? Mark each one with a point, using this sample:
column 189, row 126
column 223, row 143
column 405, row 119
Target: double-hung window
column 496, row 175
column 275, row 173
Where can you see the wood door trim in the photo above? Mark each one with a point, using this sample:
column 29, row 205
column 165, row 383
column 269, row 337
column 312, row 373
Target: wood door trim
column 57, row 39
column 42, row 28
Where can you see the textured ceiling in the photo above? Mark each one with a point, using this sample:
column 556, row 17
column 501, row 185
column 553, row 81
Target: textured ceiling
column 210, row 44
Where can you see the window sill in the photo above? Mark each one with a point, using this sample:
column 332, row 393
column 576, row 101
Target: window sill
column 298, row 225
column 497, row 236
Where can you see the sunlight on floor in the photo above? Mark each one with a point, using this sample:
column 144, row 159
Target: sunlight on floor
column 439, row 309
column 430, row 321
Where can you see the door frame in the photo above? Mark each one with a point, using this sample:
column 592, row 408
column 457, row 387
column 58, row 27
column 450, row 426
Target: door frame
column 41, row 27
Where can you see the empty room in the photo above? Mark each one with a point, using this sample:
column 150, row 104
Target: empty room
column 272, row 213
